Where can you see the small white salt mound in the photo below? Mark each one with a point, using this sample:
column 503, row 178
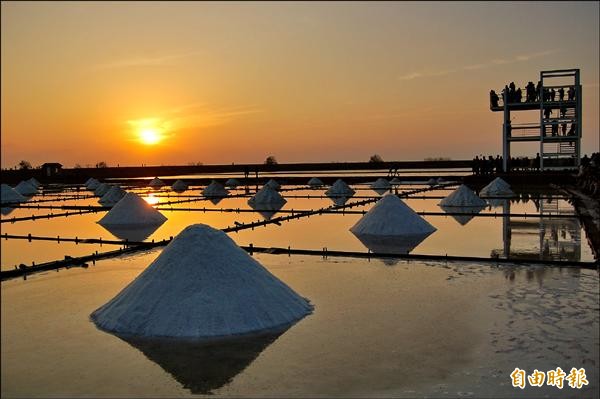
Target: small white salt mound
column 441, row 180
column 8, row 194
column 395, row 181
column 468, row 212
column 112, row 196
column 273, row 184
column 497, row 188
column 25, row 188
column 156, row 183
column 232, row 183
column 390, row 216
column 132, row 211
column 34, row 182
column 462, row 196
column 340, row 189
column 101, row 189
column 179, row 185
column 93, row 185
column 215, row 190
column 267, row 195
column 202, row 285
column 380, row 186
column 315, row 182
column 432, row 182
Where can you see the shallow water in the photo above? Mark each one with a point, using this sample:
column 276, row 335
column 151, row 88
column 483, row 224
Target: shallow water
column 397, row 329
column 530, row 237
column 380, row 328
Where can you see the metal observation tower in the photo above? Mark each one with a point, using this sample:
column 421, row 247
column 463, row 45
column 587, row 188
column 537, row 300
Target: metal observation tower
column 557, row 96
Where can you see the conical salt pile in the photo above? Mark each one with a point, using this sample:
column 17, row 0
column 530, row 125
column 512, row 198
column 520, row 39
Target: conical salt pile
column 101, row 189
column 202, row 285
column 497, row 188
column 432, row 182
column 380, row 186
column 273, row 184
column 112, row 196
column 441, row 180
column 25, row 188
column 340, row 189
column 88, row 181
column 462, row 196
column 215, row 190
column 34, row 182
column 8, row 194
column 315, row 182
column 462, row 214
column 92, row 185
column 267, row 195
column 395, row 181
column 232, row 183
column 180, row 186
column 156, row 183
column 391, row 226
column 390, row 216
column 132, row 211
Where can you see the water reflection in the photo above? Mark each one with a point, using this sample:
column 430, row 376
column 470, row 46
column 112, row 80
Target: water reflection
column 467, row 212
column 267, row 210
column 559, row 238
column 398, row 244
column 137, row 233
column 200, row 366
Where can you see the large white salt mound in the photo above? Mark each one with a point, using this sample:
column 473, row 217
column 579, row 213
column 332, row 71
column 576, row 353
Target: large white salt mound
column 267, row 195
column 273, row 184
column 34, row 182
column 202, row 285
column 340, row 189
column 93, row 184
column 390, row 216
column 102, row 189
column 462, row 196
column 156, row 183
column 112, row 196
column 132, row 211
column 315, row 182
column 179, row 185
column 215, row 189
column 497, row 188
column 232, row 183
column 25, row 188
column 8, row 194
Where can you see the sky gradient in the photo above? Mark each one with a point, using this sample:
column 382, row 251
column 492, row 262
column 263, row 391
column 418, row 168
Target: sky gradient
column 235, row 82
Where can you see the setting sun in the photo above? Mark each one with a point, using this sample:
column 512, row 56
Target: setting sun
column 149, row 136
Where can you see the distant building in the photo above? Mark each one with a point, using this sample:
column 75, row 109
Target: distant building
column 51, row 168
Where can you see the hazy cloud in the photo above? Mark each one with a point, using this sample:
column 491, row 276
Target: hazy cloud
column 494, row 62
column 145, row 61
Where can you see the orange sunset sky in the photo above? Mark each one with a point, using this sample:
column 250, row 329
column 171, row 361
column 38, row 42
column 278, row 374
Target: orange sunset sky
column 157, row 83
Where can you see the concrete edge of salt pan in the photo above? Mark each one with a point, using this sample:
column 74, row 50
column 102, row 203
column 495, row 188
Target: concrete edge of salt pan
column 202, row 285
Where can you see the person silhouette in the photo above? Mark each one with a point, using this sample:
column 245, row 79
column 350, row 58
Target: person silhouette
column 538, row 91
column 493, row 99
column 564, row 129
column 518, row 95
column 571, row 93
column 547, row 113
